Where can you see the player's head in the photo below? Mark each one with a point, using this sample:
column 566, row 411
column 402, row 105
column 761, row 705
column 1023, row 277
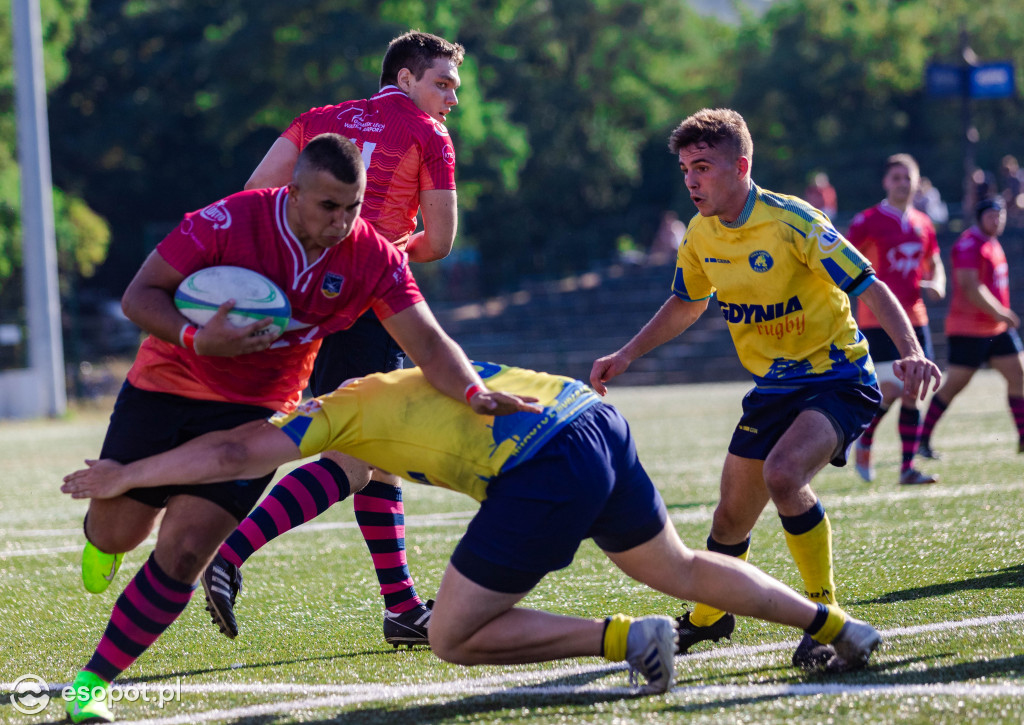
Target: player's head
column 326, row 191
column 715, row 154
column 991, row 215
column 426, row 67
column 900, row 178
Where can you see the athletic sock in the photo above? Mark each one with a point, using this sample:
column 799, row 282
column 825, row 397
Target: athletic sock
column 868, row 436
column 301, row 496
column 1017, row 410
column 147, row 607
column 381, row 519
column 827, row 624
column 704, row 615
column 910, row 435
column 935, row 411
column 616, row 636
column 809, row 537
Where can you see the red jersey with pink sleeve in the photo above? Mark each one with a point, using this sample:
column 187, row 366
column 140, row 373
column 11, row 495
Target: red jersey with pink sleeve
column 974, row 250
column 405, row 151
column 249, row 229
column 897, row 245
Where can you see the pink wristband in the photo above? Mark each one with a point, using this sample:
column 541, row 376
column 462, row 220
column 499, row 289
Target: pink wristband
column 471, row 390
column 187, row 336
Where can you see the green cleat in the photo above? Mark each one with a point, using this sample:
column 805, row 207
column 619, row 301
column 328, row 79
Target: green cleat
column 89, row 699
column 98, row 569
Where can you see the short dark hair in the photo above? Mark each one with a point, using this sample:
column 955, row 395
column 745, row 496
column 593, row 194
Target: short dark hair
column 334, row 154
column 902, row 160
column 715, row 127
column 417, row 51
column 992, row 202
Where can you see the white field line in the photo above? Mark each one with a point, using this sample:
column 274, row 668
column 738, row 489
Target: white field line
column 460, row 518
column 317, row 696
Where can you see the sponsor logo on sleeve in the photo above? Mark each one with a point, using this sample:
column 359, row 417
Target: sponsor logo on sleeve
column 449, row 155
column 218, row 215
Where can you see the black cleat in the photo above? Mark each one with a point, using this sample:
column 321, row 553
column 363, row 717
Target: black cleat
column 925, row 451
column 408, row 628
column 812, row 655
column 691, row 634
column 222, row 581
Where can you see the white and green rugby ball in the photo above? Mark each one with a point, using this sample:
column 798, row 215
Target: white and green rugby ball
column 201, row 293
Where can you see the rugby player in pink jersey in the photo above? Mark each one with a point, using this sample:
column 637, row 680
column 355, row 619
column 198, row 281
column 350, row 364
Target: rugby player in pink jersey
column 410, row 168
column 308, row 238
column 980, row 325
column 900, row 243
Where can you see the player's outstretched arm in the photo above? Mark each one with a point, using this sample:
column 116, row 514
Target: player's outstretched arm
column 675, row 316
column 445, row 365
column 248, row 451
column 913, row 368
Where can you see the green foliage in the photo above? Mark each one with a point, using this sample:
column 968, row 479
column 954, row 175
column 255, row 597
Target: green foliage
column 82, row 236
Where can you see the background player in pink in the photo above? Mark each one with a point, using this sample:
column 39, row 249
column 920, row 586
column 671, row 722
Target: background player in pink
column 309, row 239
column 410, row 167
column 900, row 242
column 981, row 326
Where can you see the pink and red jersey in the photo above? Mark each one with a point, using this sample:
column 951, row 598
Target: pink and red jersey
column 974, row 250
column 405, row 151
column 249, row 229
column 897, row 245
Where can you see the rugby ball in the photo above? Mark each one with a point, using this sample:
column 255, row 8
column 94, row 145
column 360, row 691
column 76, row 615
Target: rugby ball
column 201, row 293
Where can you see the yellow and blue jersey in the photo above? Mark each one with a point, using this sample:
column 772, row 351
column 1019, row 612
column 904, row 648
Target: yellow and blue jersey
column 400, row 423
column 783, row 277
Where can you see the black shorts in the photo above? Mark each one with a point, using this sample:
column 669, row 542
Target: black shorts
column 883, row 349
column 145, row 423
column 362, row 349
column 971, row 352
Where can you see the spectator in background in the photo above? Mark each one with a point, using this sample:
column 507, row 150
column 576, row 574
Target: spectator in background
column 1011, row 184
column 667, row 238
column 822, row 195
column 980, row 326
column 928, row 200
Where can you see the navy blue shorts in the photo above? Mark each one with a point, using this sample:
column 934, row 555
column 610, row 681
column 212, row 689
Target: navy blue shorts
column 586, row 482
column 849, row 407
column 145, row 423
column 363, row 349
column 883, row 349
column 971, row 352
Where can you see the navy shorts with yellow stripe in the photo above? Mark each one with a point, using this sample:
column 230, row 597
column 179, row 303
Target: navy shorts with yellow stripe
column 145, row 423
column 586, row 482
column 849, row 407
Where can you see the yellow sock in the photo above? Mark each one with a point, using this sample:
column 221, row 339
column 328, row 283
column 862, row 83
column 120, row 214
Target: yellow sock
column 616, row 632
column 833, row 624
column 704, row 615
column 812, row 552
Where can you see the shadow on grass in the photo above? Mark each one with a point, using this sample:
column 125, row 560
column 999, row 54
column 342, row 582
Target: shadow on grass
column 1009, row 578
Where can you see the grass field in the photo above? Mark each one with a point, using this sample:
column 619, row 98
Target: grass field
column 940, row 570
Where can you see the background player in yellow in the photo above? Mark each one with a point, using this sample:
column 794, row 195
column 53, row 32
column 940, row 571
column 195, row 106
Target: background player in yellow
column 783, row 278
column 573, row 462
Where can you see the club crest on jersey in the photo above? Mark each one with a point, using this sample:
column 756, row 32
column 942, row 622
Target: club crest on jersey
column 217, row 214
column 761, row 261
column 331, row 287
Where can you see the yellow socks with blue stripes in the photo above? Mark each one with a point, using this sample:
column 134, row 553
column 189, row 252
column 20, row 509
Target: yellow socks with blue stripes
column 702, row 614
column 809, row 537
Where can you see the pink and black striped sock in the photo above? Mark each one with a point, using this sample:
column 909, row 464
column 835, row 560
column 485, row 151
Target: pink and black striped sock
column 146, row 607
column 381, row 519
column 301, row 496
column 910, row 435
column 868, row 436
column 1017, row 410
column 935, row 411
